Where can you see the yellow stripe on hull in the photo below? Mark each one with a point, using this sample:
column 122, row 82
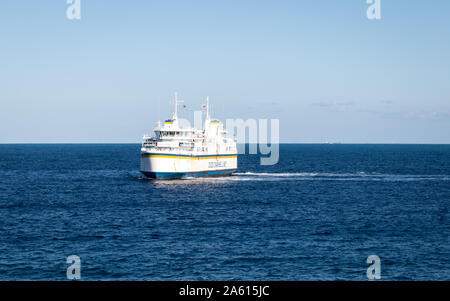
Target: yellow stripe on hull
column 188, row 157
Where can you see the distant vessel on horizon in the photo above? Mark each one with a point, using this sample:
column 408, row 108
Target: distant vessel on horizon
column 176, row 153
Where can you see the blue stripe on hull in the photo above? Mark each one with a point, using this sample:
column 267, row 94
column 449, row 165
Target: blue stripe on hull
column 181, row 175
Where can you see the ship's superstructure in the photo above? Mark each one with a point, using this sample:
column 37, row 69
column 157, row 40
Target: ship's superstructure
column 175, row 152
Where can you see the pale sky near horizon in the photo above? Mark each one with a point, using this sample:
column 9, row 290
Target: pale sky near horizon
column 319, row 66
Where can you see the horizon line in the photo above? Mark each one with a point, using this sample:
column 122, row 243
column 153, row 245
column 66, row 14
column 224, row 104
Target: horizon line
column 306, row 143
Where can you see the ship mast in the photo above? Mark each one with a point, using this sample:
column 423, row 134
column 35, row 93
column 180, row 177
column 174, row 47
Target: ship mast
column 207, row 107
column 207, row 121
column 175, row 112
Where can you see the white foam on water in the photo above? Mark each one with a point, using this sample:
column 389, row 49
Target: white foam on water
column 310, row 176
column 323, row 176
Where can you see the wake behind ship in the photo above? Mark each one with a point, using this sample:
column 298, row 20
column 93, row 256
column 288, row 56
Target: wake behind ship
column 176, row 153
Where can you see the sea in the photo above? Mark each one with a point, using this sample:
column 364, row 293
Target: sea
column 318, row 214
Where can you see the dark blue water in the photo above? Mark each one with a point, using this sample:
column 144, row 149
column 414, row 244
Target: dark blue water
column 316, row 215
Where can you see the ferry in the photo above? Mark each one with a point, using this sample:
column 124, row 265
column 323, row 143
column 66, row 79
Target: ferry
column 176, row 152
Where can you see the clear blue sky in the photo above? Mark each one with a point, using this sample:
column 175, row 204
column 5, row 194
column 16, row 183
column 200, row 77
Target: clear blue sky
column 320, row 66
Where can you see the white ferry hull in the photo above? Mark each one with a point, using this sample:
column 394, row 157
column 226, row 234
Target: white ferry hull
column 171, row 166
